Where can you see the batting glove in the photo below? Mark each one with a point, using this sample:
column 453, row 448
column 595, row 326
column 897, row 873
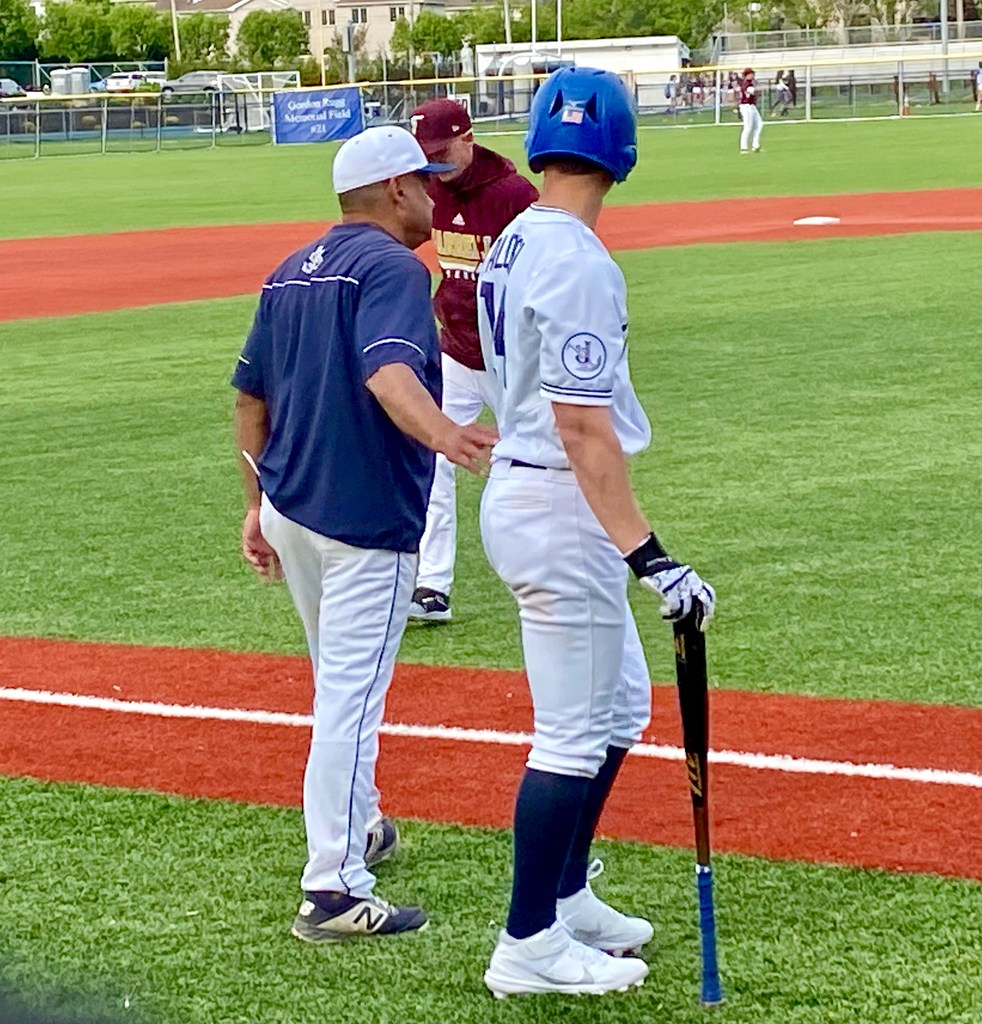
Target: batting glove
column 679, row 586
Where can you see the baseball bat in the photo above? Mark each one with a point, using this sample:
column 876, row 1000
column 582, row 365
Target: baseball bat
column 690, row 675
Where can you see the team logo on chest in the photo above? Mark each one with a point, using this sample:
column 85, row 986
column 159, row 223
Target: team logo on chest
column 584, row 356
column 313, row 261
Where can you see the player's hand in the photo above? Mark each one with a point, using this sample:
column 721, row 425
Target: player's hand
column 682, row 591
column 470, row 446
column 257, row 550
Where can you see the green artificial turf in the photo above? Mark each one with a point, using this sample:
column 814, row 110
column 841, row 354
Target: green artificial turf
column 250, row 184
column 816, row 454
column 180, row 910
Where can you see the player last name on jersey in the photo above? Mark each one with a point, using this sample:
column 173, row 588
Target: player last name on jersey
column 505, row 251
column 461, row 246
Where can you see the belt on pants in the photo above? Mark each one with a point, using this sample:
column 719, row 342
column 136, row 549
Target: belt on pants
column 518, row 464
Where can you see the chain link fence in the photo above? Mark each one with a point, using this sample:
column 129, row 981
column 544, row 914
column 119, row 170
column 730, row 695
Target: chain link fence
column 99, row 123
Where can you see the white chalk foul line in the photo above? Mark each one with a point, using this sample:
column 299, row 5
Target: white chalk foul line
column 662, row 752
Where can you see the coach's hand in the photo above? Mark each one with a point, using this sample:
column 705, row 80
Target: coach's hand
column 679, row 586
column 469, row 446
column 257, row 550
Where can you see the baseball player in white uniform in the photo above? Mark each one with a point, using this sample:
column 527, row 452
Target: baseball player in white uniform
column 561, row 526
column 749, row 114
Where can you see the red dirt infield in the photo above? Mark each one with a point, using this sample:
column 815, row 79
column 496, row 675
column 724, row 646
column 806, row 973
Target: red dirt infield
column 886, row 823
column 891, row 822
column 98, row 273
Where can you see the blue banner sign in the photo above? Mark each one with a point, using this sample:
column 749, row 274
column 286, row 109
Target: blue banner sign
column 316, row 115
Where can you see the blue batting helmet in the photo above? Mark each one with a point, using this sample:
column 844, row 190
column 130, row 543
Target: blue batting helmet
column 584, row 113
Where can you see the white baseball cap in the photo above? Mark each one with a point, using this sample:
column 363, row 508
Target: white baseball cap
column 380, row 153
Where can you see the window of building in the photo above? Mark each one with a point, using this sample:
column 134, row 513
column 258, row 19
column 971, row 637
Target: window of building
column 306, row 18
column 359, row 15
column 395, row 13
column 330, row 17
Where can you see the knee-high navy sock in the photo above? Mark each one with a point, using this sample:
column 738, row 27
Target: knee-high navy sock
column 574, row 874
column 547, row 811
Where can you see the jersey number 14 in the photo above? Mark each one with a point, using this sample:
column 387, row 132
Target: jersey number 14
column 496, row 318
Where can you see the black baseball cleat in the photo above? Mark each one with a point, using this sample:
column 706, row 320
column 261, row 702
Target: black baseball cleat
column 383, row 841
column 336, row 917
column 429, row 605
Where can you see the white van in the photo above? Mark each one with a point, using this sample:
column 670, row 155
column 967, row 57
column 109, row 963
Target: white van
column 128, row 81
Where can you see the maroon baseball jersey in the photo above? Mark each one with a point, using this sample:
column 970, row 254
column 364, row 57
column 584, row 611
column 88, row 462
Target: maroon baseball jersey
column 469, row 214
column 748, row 91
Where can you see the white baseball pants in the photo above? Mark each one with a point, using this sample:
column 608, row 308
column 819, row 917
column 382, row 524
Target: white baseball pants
column 354, row 603
column 465, row 393
column 752, row 124
column 586, row 669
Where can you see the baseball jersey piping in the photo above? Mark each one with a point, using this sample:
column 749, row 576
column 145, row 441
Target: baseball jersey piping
column 270, row 285
column 394, row 341
column 361, row 720
column 578, row 392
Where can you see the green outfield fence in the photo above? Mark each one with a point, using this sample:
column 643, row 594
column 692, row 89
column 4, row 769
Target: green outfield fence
column 100, row 123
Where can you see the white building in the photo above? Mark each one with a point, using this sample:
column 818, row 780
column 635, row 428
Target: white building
column 325, row 19
column 637, row 54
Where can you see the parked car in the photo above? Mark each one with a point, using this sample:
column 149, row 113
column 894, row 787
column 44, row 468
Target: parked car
column 192, row 82
column 8, row 87
column 130, row 81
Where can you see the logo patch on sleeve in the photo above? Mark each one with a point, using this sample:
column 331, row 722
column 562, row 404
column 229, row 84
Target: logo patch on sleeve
column 584, row 356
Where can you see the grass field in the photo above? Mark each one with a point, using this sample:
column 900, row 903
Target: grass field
column 178, row 907
column 244, row 185
column 816, row 453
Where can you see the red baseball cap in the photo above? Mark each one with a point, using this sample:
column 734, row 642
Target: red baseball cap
column 437, row 123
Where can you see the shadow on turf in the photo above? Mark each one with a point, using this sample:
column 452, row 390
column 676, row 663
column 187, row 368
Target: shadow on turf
column 13, row 1011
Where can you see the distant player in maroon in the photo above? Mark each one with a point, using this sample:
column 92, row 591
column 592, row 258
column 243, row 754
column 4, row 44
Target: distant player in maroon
column 473, row 205
column 749, row 114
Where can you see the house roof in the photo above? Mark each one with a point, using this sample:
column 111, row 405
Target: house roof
column 214, row 6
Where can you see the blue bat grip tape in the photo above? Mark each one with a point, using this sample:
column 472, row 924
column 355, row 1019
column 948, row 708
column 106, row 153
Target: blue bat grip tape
column 712, row 991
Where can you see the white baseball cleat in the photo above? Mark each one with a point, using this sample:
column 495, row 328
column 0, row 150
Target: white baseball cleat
column 591, row 921
column 552, row 961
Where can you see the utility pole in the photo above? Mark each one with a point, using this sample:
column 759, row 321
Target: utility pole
column 173, row 25
column 412, row 52
column 320, row 40
column 944, row 46
column 507, row 23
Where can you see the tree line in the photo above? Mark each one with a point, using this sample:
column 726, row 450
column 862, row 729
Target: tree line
column 77, row 31
column 92, row 31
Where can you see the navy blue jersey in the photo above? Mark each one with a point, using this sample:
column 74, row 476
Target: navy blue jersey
column 328, row 318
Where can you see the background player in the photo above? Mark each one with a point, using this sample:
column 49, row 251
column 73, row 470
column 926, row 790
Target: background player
column 472, row 203
column 749, row 114
column 559, row 521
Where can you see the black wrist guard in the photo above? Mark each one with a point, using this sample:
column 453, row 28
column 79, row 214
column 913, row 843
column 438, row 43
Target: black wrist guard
column 642, row 560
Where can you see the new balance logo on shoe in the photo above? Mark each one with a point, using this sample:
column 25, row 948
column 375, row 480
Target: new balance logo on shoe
column 335, row 917
column 371, row 923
